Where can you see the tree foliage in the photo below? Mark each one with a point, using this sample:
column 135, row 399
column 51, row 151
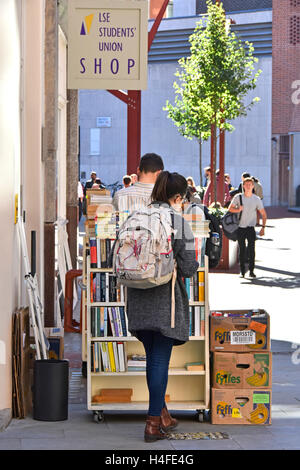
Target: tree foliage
column 214, row 81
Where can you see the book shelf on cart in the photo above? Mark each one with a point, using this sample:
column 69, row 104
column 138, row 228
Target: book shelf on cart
column 188, row 390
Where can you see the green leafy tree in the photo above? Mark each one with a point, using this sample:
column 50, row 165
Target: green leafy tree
column 213, row 81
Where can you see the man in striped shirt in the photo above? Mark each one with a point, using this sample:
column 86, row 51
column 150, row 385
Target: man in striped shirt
column 138, row 195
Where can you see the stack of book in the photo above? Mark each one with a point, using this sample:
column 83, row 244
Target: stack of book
column 195, row 366
column 107, row 223
column 109, row 321
column 100, row 249
column 136, row 362
column 200, row 244
column 108, row 356
column 104, row 288
column 197, row 320
column 195, row 287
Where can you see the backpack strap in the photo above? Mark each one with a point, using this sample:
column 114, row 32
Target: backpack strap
column 241, row 203
column 174, row 275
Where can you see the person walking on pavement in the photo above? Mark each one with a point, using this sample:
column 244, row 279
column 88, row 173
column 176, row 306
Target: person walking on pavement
column 246, row 231
column 149, row 310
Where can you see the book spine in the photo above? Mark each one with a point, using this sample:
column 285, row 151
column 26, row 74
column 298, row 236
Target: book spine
column 98, row 253
column 119, row 321
column 105, row 322
column 98, row 297
column 103, row 355
column 102, row 287
column 115, row 321
column 111, row 356
column 201, row 286
column 192, row 289
column 188, row 287
column 111, row 321
column 202, row 321
column 107, row 297
column 92, row 357
column 107, row 249
column 93, row 252
column 123, row 321
column 101, row 330
column 92, row 287
column 121, row 357
column 197, row 320
column 96, row 361
column 195, row 282
column 92, row 322
column 203, row 246
column 116, row 356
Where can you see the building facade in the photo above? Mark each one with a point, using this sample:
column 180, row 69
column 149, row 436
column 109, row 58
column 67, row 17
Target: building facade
column 248, row 148
column 286, row 103
column 33, row 157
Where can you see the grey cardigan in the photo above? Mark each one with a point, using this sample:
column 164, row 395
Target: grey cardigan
column 150, row 309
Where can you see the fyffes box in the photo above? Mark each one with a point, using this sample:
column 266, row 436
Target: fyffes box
column 240, row 331
column 241, row 406
column 242, row 370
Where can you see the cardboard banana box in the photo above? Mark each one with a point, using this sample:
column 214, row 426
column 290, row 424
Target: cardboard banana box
column 242, row 370
column 240, row 331
column 241, row 406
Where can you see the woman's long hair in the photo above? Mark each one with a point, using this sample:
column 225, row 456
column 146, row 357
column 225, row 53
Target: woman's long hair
column 167, row 186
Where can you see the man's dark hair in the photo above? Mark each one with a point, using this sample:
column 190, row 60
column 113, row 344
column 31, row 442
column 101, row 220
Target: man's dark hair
column 246, row 175
column 151, row 163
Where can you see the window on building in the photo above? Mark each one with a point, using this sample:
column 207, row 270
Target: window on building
column 95, row 141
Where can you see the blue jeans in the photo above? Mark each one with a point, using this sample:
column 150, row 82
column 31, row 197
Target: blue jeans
column 158, row 352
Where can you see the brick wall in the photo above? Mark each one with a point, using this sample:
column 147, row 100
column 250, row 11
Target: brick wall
column 286, row 66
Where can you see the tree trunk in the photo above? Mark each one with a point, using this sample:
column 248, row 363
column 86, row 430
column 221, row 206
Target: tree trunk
column 215, row 163
column 200, row 160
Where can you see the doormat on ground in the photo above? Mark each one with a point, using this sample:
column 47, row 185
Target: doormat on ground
column 197, row 435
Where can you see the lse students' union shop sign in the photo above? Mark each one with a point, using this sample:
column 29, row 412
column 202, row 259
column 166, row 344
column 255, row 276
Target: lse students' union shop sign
column 107, row 44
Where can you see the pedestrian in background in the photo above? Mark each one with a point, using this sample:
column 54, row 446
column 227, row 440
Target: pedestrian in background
column 149, row 310
column 127, row 181
column 228, row 181
column 246, row 231
column 134, row 178
column 90, row 182
column 207, row 201
column 207, row 176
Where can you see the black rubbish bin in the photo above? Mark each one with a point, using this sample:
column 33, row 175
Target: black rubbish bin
column 50, row 390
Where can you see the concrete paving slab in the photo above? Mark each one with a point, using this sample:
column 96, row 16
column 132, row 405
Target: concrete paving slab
column 10, row 444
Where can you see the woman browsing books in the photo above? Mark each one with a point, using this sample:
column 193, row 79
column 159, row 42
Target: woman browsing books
column 149, row 310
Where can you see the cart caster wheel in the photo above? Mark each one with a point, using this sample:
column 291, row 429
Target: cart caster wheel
column 200, row 416
column 98, row 416
column 206, row 416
